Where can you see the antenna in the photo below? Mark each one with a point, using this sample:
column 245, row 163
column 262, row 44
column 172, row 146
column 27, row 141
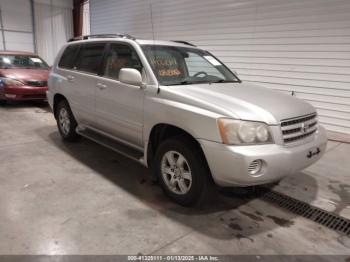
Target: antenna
column 151, row 13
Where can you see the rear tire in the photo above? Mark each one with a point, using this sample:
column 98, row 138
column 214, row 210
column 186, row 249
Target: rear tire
column 182, row 171
column 3, row 102
column 66, row 122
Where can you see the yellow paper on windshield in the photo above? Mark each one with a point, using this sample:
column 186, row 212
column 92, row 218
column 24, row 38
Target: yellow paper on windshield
column 167, row 67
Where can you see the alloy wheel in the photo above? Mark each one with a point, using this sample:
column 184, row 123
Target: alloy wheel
column 64, row 121
column 176, row 172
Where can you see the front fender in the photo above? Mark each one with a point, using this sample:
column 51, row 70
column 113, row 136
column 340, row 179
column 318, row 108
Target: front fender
column 198, row 122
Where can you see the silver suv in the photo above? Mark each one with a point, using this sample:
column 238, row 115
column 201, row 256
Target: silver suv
column 178, row 109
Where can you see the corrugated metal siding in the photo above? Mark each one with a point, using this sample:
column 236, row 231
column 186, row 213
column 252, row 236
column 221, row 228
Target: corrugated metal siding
column 299, row 45
column 124, row 16
column 17, row 25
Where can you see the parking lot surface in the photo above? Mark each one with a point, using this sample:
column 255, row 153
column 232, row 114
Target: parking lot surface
column 81, row 198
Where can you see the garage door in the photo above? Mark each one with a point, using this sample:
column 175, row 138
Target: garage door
column 301, row 45
column 16, row 27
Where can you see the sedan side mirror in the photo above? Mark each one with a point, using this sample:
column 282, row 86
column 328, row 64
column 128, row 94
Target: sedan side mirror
column 130, row 76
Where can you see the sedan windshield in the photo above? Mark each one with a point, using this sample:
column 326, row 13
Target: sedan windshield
column 22, row 61
column 175, row 65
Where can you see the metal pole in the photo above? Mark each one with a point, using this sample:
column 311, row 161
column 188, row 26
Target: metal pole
column 33, row 25
column 2, row 31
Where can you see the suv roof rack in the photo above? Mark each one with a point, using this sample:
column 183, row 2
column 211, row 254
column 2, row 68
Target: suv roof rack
column 183, row 42
column 84, row 37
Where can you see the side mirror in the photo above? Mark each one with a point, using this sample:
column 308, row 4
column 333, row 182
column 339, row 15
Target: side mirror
column 130, row 76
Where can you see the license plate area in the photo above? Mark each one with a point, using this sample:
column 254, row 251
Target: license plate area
column 313, row 152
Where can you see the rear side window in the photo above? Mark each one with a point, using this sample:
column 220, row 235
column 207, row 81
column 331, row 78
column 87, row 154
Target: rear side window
column 90, row 57
column 67, row 59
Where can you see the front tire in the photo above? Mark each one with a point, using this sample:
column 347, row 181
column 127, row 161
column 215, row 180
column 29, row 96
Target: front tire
column 66, row 122
column 182, row 171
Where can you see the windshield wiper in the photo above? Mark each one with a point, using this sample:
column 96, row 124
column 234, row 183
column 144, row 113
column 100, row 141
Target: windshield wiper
column 184, row 82
column 218, row 81
column 224, row 81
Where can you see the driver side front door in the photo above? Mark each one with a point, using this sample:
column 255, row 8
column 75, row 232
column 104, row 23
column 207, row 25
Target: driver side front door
column 119, row 106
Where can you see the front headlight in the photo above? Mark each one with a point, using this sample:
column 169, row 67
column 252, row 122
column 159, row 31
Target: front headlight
column 8, row 82
column 235, row 132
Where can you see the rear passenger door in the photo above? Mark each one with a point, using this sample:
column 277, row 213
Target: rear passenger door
column 119, row 106
column 66, row 67
column 80, row 81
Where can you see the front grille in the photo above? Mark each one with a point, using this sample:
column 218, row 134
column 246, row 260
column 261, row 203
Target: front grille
column 37, row 83
column 298, row 128
column 38, row 96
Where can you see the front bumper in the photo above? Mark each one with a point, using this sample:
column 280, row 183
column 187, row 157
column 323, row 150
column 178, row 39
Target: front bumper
column 229, row 164
column 23, row 93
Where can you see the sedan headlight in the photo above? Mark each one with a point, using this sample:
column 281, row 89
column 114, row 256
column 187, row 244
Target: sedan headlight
column 10, row 82
column 244, row 132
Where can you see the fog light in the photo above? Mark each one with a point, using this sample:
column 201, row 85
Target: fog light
column 255, row 167
column 10, row 95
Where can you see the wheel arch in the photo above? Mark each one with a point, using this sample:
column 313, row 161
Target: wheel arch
column 56, row 99
column 163, row 131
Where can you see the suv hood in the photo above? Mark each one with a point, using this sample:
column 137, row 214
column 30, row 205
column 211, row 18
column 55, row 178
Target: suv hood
column 26, row 74
column 243, row 101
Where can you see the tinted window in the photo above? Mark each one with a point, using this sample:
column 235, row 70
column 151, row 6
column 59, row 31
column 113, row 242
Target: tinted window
column 90, row 57
column 67, row 59
column 121, row 56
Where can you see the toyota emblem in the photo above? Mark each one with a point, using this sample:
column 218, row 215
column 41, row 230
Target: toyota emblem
column 304, row 128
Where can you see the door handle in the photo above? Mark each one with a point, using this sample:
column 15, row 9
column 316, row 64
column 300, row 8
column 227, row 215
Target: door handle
column 101, row 86
column 70, row 78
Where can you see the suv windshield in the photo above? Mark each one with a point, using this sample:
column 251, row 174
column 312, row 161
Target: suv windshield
column 22, row 61
column 175, row 65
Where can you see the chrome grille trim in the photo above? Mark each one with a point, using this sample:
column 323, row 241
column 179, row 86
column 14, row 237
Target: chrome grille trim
column 299, row 132
column 298, row 128
column 37, row 83
column 291, row 121
column 312, row 121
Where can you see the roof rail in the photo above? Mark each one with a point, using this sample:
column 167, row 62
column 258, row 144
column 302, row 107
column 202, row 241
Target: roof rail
column 183, row 42
column 84, row 37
